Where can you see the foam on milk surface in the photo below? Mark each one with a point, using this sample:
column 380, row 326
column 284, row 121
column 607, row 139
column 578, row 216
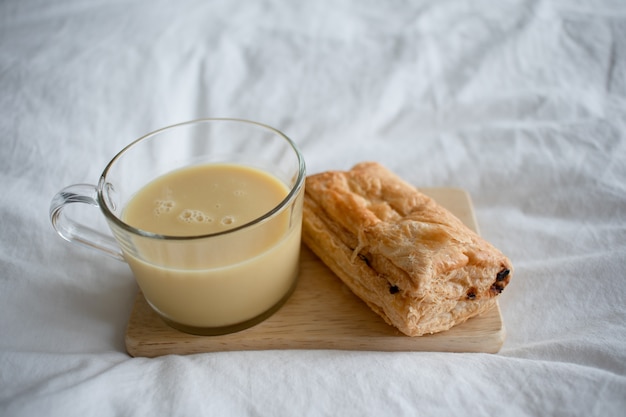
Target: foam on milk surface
column 204, row 199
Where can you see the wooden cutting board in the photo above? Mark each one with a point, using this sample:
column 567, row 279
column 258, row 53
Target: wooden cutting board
column 322, row 313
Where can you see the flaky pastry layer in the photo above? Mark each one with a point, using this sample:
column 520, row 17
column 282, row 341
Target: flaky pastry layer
column 411, row 260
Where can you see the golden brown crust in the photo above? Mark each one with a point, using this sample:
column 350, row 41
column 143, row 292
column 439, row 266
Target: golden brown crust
column 411, row 260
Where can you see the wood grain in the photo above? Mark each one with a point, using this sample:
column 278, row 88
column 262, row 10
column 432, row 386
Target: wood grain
column 322, row 313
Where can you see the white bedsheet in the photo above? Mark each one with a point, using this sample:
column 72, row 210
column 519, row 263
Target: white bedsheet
column 521, row 103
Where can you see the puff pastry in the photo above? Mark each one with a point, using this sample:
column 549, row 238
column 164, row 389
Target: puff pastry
column 411, row 260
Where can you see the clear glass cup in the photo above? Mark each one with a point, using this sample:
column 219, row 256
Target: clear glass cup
column 206, row 284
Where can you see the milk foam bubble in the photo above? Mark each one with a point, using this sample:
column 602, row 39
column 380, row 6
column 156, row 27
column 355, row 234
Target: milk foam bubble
column 194, row 216
column 163, row 206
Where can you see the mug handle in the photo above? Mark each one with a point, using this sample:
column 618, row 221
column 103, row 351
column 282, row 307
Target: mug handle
column 75, row 232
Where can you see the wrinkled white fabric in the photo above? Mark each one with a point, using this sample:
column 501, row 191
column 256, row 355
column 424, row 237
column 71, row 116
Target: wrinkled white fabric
column 521, row 103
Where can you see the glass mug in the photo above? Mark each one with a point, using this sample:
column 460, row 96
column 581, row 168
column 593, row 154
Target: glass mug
column 205, row 284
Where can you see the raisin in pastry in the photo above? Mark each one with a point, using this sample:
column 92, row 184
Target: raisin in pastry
column 411, row 260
